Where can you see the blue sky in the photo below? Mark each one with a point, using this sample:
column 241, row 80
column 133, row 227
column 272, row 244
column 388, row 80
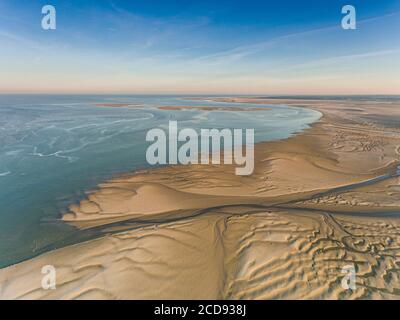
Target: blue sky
column 243, row 47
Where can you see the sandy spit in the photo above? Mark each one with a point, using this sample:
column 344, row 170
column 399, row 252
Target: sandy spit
column 317, row 202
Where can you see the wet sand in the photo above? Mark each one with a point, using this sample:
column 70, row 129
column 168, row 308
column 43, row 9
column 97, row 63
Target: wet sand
column 181, row 108
column 316, row 202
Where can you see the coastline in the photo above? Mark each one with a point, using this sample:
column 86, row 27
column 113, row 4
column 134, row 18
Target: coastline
column 141, row 185
column 217, row 254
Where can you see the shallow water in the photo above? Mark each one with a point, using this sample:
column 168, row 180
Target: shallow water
column 53, row 148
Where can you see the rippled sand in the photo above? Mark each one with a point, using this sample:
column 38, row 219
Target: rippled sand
column 317, row 202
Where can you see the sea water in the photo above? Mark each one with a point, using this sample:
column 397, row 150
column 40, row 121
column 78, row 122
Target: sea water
column 53, row 148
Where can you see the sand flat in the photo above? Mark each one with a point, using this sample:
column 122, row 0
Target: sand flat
column 182, row 108
column 315, row 203
column 247, row 254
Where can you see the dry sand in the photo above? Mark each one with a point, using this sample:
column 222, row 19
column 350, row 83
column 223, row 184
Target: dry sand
column 315, row 203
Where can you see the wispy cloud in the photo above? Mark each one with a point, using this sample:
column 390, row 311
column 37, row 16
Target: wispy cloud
column 344, row 58
column 25, row 42
column 240, row 52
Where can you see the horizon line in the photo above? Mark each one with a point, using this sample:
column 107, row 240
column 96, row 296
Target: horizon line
column 194, row 93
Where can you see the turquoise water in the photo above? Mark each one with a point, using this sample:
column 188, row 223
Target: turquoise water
column 53, row 148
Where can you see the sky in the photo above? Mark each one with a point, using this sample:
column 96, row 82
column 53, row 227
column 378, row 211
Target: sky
column 200, row 47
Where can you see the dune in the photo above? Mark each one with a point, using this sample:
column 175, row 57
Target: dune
column 317, row 202
column 239, row 253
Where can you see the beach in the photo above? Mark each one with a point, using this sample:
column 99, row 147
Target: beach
column 318, row 201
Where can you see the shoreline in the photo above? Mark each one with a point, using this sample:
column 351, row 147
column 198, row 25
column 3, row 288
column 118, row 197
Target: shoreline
column 81, row 223
column 87, row 212
column 181, row 108
column 330, row 154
